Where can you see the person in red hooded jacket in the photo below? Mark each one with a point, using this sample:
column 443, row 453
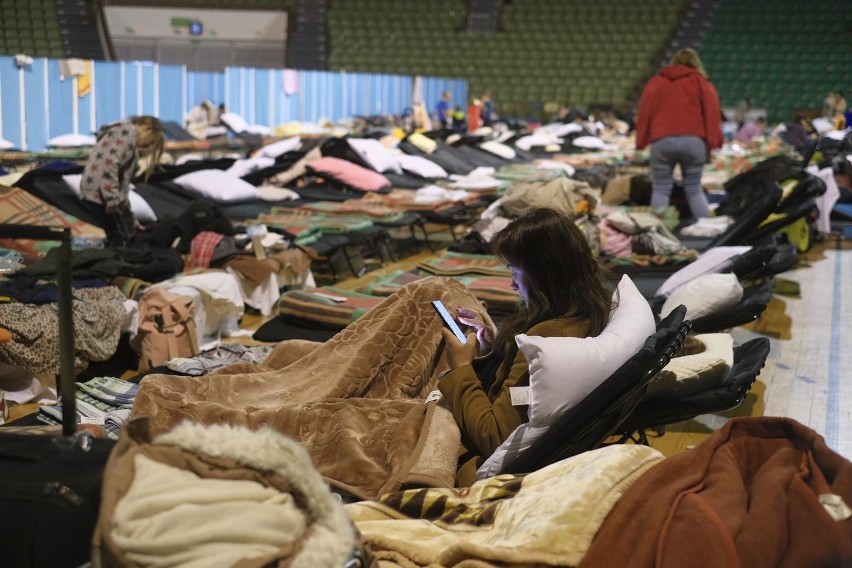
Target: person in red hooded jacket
column 680, row 118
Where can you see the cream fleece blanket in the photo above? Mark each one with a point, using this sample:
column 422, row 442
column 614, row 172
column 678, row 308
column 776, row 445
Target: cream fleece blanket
column 548, row 517
column 172, row 517
column 220, row 495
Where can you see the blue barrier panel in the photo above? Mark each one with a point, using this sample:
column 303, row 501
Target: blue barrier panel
column 107, row 92
column 35, row 87
column 171, row 84
column 10, row 97
column 60, row 102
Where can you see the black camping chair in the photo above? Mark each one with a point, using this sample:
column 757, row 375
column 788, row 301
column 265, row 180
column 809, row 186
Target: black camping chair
column 590, row 422
column 749, row 359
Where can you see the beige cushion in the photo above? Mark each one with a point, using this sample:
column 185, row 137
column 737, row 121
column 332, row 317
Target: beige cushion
column 422, row 142
column 705, row 295
column 691, row 374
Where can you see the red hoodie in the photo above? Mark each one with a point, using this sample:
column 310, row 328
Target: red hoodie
column 679, row 101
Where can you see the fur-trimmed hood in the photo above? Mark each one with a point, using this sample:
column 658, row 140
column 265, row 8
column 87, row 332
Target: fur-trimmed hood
column 219, row 495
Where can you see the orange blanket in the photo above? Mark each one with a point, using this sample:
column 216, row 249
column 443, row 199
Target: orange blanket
column 750, row 496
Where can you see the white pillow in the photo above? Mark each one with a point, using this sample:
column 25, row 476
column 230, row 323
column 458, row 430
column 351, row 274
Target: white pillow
column 71, row 141
column 218, row 186
column 375, row 154
column 140, row 208
column 560, row 129
column 234, row 121
column 499, row 149
column 280, row 148
column 5, row 144
column 705, row 295
column 73, row 182
column 530, row 140
column 589, row 142
column 242, row 168
column 564, row 370
column 258, row 129
column 421, row 166
column 713, row 260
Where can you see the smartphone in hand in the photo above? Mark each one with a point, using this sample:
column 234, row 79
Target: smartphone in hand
column 448, row 320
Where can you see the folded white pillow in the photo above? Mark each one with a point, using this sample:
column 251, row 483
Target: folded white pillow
column 705, row 295
column 499, row 149
column 238, row 124
column 564, row 370
column 234, row 121
column 138, row 206
column 141, row 209
column 530, row 140
column 73, row 182
column 559, row 129
column 714, row 260
column 421, row 166
column 242, row 168
column 217, row 185
column 589, row 142
column 375, row 155
column 5, row 144
column 280, row 148
column 71, row 141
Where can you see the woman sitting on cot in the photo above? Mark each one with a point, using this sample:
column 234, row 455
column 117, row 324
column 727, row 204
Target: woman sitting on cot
column 565, row 295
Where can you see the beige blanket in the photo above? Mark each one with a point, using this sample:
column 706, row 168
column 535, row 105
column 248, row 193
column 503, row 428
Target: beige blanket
column 548, row 517
column 355, row 402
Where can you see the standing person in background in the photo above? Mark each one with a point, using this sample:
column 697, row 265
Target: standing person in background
column 458, row 120
column 474, row 115
column 680, row 118
column 443, row 109
column 105, row 186
column 489, row 113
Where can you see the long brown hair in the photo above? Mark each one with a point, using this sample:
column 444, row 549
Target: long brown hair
column 158, row 141
column 562, row 276
column 688, row 57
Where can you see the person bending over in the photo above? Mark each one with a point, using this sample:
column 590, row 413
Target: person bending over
column 564, row 292
column 105, row 186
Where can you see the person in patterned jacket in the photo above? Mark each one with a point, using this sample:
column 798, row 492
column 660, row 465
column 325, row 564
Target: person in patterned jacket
column 105, row 187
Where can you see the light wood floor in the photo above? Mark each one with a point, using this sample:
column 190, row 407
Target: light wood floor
column 807, row 374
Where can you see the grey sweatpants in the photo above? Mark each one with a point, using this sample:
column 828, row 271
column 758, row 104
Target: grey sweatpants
column 691, row 153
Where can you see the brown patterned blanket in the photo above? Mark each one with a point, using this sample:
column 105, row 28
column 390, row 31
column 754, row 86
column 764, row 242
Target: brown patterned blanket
column 356, row 402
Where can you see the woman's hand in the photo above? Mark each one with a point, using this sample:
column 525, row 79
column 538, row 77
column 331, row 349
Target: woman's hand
column 458, row 353
column 484, row 334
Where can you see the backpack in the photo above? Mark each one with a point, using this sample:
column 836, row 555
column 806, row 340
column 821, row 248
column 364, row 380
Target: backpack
column 166, row 328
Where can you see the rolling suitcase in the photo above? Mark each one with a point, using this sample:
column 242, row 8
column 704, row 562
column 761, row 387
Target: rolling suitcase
column 50, row 486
